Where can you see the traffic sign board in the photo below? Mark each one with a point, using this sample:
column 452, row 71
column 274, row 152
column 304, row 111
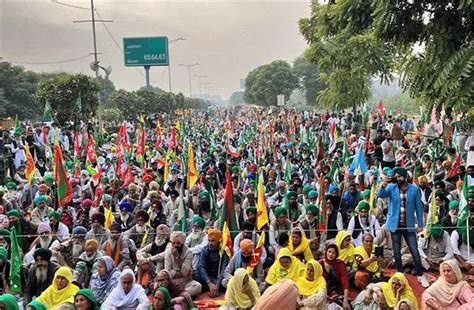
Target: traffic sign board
column 145, row 51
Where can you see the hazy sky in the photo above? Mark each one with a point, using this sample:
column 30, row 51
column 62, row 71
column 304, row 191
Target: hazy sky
column 227, row 38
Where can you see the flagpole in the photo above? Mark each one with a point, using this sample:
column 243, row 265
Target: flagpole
column 468, row 244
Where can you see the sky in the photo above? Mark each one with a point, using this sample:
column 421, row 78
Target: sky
column 227, row 38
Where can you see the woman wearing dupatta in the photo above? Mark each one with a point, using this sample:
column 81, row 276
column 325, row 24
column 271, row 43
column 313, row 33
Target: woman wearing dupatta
column 335, row 274
column 450, row 291
column 346, row 248
column 286, row 266
column 386, row 294
column 161, row 299
column 242, row 291
column 61, row 292
column 105, row 279
column 299, row 245
column 367, row 266
column 127, row 295
column 312, row 287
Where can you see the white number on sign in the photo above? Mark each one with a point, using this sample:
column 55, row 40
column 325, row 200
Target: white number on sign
column 154, row 57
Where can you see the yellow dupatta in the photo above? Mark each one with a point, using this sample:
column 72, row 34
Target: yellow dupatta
column 308, row 288
column 373, row 267
column 52, row 297
column 234, row 296
column 277, row 272
column 303, row 247
column 346, row 254
column 391, row 297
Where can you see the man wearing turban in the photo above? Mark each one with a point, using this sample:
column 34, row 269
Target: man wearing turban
column 117, row 247
column 435, row 248
column 404, row 202
column 141, row 233
column 296, row 211
column 310, row 225
column 242, row 259
column 279, row 225
column 40, row 213
column 97, row 231
column 22, row 227
column 57, row 228
column 211, row 265
column 85, row 265
column 68, row 252
column 197, row 234
column 178, row 261
column 40, row 274
column 154, row 251
column 450, row 221
column 362, row 222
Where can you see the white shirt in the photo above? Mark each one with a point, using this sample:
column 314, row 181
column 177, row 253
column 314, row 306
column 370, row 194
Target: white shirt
column 462, row 249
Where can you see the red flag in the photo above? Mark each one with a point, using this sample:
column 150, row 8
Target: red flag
column 91, row 150
column 454, row 168
column 140, row 151
column 158, row 135
column 381, row 108
column 64, row 189
column 172, row 143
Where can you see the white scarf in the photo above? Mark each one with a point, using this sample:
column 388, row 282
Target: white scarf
column 118, row 297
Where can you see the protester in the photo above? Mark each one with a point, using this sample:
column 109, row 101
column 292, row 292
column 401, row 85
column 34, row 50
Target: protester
column 61, row 291
column 282, row 295
column 242, row 291
column 127, row 295
column 286, row 266
column 312, row 287
column 105, row 279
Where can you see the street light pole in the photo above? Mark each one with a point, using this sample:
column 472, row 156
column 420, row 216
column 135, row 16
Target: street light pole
column 199, row 77
column 94, row 38
column 169, row 59
column 189, row 75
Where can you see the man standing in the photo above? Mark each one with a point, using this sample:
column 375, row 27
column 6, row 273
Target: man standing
column 405, row 202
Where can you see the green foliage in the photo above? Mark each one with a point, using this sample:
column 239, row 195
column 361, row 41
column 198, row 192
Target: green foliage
column 441, row 73
column 18, row 88
column 128, row 103
column 236, row 98
column 308, row 76
column 62, row 92
column 111, row 115
column 346, row 51
column 265, row 83
column 107, row 87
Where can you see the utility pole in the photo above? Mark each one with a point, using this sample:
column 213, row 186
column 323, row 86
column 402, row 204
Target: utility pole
column 169, row 59
column 189, row 75
column 199, row 77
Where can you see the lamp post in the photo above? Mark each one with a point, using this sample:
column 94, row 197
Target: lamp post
column 189, row 75
column 169, row 59
column 199, row 77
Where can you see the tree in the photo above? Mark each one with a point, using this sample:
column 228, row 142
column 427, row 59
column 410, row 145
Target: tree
column 308, row 76
column 128, row 103
column 345, row 49
column 441, row 72
column 107, row 87
column 237, row 98
column 111, row 115
column 63, row 92
column 265, row 83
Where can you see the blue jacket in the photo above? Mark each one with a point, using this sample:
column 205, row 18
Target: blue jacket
column 414, row 204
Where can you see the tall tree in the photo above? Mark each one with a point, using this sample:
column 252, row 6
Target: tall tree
column 442, row 71
column 63, row 92
column 107, row 87
column 345, row 49
column 236, row 98
column 308, row 76
column 265, row 83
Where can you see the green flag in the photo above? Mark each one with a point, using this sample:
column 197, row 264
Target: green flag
column 15, row 263
column 463, row 208
column 47, row 109
column 334, row 172
column 79, row 102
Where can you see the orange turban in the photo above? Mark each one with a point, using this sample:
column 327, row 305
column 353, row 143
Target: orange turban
column 91, row 244
column 246, row 245
column 214, row 234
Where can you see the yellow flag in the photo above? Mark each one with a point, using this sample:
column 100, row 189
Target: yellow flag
column 262, row 215
column 109, row 218
column 192, row 173
column 30, row 165
column 372, row 198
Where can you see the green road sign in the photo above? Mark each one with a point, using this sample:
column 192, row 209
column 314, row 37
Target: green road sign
column 145, row 51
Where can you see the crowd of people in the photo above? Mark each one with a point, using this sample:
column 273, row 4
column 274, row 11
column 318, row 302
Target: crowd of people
column 246, row 208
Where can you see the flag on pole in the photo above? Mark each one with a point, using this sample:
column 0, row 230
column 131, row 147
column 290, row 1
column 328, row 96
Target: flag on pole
column 323, row 207
column 64, row 189
column 226, row 242
column 192, row 172
column 15, row 263
column 358, row 166
column 372, row 198
column 79, row 102
column 334, row 172
column 454, row 168
column 47, row 110
column 90, row 154
column 463, row 207
column 257, row 254
column 109, row 218
column 30, row 165
column 232, row 151
column 158, row 135
column 182, row 212
column 228, row 212
column 140, row 151
column 262, row 214
column 381, row 108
